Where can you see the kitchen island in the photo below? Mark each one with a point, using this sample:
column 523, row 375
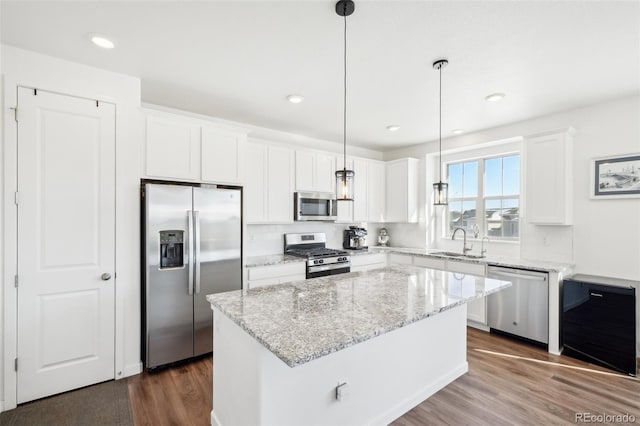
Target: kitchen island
column 355, row 348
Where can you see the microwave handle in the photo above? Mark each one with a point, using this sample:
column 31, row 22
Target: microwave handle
column 330, row 207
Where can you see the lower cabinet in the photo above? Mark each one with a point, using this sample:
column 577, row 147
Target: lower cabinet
column 365, row 262
column 261, row 276
column 477, row 309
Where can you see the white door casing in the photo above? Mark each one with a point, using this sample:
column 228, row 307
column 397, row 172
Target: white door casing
column 66, row 242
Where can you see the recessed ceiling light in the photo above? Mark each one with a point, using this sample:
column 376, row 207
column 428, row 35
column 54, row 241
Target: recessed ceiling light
column 495, row 97
column 393, row 128
column 295, row 99
column 101, row 41
column 457, row 131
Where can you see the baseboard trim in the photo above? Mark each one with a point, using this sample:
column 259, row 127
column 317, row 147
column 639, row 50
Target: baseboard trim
column 131, row 370
column 420, row 396
column 1, row 406
column 214, row 419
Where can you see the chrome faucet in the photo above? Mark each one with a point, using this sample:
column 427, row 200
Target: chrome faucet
column 482, row 249
column 464, row 243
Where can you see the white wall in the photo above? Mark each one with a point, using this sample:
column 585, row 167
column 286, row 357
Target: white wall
column 605, row 237
column 24, row 68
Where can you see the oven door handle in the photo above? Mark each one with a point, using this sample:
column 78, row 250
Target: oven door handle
column 329, row 267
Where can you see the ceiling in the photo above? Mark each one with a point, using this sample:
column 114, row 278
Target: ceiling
column 238, row 60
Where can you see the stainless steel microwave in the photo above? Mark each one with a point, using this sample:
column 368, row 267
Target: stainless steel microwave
column 315, row 206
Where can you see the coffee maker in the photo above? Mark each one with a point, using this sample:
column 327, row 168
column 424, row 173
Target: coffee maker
column 355, row 238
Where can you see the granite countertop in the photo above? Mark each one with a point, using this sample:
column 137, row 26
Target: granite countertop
column 510, row 262
column 272, row 259
column 304, row 320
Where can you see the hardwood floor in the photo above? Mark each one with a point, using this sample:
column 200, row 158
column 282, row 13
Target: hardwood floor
column 508, row 383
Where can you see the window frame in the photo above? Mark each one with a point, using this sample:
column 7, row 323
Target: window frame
column 480, row 198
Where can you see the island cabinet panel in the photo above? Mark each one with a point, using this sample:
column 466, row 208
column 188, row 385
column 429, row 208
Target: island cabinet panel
column 549, row 178
column 172, row 147
column 382, row 378
column 222, row 155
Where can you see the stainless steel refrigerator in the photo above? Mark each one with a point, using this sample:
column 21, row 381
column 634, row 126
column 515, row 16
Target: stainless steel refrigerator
column 192, row 242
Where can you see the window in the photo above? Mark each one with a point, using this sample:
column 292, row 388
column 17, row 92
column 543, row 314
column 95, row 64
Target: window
column 484, row 196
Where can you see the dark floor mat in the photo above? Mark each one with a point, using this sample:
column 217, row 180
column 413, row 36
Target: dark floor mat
column 102, row 404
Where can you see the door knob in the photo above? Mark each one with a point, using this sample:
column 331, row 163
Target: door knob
column 106, row 276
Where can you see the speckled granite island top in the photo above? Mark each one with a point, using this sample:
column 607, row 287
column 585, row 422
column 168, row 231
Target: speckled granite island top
column 304, row 320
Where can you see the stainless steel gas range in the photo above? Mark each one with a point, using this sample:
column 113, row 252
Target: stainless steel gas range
column 321, row 261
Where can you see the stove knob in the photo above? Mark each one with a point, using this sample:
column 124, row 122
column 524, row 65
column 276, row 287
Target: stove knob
column 315, row 262
column 320, row 261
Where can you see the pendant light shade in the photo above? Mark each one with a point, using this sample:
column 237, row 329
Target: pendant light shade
column 440, row 189
column 344, row 177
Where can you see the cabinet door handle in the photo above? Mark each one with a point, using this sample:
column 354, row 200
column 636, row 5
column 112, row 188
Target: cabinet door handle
column 596, row 294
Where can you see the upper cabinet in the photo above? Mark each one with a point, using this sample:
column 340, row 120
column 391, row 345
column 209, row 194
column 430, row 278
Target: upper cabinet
column 361, row 190
column 402, row 190
column 222, row 155
column 268, row 191
column 376, row 193
column 315, row 171
column 548, row 184
column 185, row 148
column 172, row 147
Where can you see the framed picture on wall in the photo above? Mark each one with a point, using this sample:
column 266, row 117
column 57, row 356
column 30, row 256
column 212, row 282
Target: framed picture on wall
column 615, row 177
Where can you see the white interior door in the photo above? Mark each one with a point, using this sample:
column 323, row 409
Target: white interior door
column 66, row 240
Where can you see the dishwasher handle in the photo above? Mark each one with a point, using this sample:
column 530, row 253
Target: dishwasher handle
column 513, row 273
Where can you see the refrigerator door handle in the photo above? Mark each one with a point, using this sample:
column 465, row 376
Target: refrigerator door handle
column 190, row 258
column 196, row 233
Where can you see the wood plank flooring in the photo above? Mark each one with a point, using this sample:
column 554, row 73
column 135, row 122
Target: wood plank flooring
column 528, row 387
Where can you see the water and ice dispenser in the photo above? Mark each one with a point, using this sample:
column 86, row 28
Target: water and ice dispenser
column 171, row 249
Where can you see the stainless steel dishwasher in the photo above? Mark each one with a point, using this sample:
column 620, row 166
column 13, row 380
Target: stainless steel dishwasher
column 523, row 309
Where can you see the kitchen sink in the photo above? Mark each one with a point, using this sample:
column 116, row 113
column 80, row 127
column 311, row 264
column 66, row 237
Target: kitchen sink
column 457, row 254
column 448, row 253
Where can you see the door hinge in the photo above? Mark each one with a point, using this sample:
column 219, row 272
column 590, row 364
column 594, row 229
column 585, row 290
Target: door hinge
column 15, row 364
column 15, row 281
column 35, row 92
column 16, row 198
column 97, row 104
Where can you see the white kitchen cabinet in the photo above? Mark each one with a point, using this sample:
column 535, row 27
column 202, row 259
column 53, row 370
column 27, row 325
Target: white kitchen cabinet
column 360, row 190
column 268, row 190
column 549, row 176
column 430, row 262
column 261, row 276
column 172, row 147
column 315, row 171
column 365, row 262
column 280, row 185
column 222, row 155
column 400, row 259
column 191, row 149
column 255, row 189
column 376, row 191
column 476, row 309
column 402, row 190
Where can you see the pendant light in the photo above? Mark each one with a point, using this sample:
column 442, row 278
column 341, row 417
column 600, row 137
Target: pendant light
column 440, row 189
column 344, row 177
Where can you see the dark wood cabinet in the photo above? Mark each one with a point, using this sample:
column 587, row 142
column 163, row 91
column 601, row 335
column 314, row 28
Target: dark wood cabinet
column 599, row 321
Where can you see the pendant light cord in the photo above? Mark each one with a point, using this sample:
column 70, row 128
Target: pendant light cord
column 440, row 127
column 344, row 125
